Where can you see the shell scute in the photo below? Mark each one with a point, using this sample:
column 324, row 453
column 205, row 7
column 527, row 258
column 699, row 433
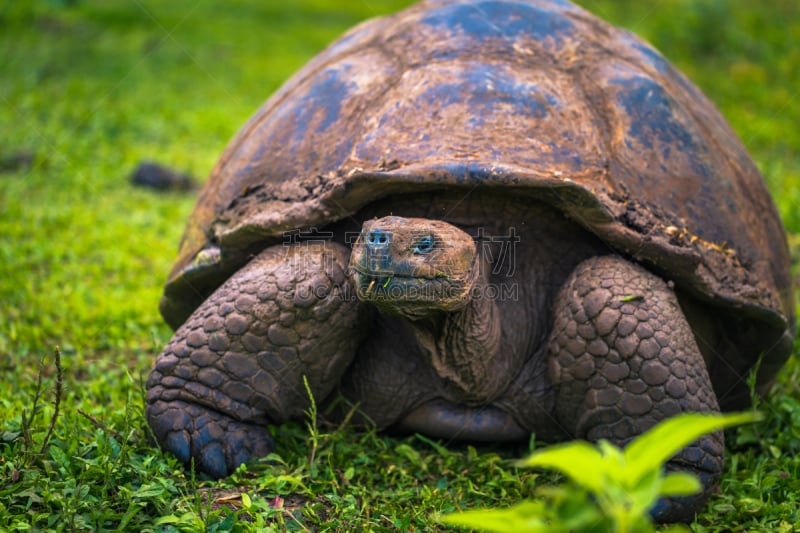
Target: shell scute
column 480, row 21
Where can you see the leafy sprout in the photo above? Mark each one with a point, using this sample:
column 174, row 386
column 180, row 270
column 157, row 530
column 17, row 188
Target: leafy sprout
column 609, row 489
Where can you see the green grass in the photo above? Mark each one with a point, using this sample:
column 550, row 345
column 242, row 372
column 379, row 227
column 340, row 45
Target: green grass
column 92, row 87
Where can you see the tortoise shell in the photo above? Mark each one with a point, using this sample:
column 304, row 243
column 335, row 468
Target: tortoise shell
column 537, row 96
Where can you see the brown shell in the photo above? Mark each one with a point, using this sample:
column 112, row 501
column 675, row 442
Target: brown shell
column 535, row 95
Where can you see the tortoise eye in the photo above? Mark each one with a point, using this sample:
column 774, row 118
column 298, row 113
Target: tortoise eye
column 424, row 245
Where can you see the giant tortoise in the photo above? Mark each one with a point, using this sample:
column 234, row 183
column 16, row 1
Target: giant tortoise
column 476, row 220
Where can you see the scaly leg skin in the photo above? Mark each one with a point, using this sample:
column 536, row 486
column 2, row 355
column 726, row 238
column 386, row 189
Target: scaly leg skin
column 622, row 359
column 238, row 362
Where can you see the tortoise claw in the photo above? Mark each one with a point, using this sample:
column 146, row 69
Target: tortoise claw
column 217, row 443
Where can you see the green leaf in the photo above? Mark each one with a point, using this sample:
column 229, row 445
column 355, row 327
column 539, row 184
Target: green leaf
column 409, row 452
column 149, row 491
column 573, row 508
column 441, row 450
column 675, row 528
column 645, row 493
column 579, row 460
column 680, row 484
column 227, row 524
column 168, row 519
column 775, row 451
column 655, row 447
column 10, row 436
column 59, row 456
column 525, row 517
column 614, row 459
column 246, row 501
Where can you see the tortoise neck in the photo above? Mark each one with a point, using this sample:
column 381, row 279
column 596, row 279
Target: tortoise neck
column 464, row 346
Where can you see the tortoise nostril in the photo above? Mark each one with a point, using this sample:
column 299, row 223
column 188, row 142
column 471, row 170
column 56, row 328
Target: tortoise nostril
column 377, row 238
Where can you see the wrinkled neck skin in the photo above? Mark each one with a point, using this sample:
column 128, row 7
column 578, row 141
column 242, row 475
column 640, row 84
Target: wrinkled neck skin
column 463, row 346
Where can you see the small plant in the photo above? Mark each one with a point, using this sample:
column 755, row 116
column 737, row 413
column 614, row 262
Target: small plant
column 313, row 429
column 610, row 489
column 30, row 455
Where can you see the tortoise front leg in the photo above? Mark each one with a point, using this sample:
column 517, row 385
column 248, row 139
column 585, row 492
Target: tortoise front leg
column 623, row 358
column 238, row 362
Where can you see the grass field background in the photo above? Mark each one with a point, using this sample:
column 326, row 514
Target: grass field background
column 90, row 88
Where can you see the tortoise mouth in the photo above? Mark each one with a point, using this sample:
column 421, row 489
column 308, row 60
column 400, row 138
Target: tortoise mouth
column 407, row 294
column 383, row 286
column 398, row 272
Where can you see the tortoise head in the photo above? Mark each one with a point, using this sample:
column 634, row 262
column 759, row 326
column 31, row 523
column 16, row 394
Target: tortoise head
column 412, row 266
